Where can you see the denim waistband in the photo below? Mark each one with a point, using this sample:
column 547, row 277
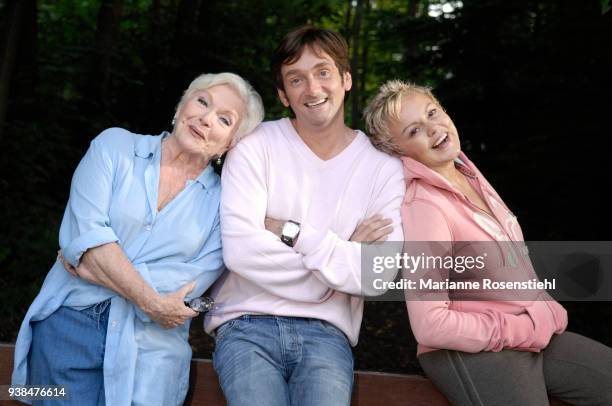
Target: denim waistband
column 98, row 312
column 248, row 317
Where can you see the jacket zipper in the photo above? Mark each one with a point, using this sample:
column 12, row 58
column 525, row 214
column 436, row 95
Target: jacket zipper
column 504, row 259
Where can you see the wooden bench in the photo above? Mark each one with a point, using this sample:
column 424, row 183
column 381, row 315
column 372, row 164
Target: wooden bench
column 370, row 389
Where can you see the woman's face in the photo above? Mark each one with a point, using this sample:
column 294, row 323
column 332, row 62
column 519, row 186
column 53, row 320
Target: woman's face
column 425, row 132
column 207, row 121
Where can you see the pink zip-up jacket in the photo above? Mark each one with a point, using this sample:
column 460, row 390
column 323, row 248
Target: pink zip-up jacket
column 434, row 210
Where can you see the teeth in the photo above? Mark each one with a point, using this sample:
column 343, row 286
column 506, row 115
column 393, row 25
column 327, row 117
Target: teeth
column 440, row 140
column 316, row 103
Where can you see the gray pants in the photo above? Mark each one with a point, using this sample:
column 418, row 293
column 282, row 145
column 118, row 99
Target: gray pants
column 572, row 368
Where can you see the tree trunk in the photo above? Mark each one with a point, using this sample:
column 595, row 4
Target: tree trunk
column 182, row 61
column 347, row 21
column 17, row 42
column 364, row 54
column 109, row 17
column 207, row 19
column 186, row 18
column 355, row 91
column 156, row 86
column 413, row 8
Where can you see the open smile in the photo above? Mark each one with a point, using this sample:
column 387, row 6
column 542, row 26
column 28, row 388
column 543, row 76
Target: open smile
column 442, row 140
column 316, row 103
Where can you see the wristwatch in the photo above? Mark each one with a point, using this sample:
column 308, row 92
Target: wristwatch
column 201, row 304
column 290, row 232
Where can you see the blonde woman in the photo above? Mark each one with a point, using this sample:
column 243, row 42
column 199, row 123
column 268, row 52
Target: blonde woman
column 477, row 352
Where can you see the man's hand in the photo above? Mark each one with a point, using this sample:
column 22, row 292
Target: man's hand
column 274, row 226
column 375, row 228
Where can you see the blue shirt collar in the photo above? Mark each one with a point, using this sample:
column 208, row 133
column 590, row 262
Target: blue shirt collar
column 149, row 145
column 208, row 178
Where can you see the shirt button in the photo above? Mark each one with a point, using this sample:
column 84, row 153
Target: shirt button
column 148, row 227
column 114, row 324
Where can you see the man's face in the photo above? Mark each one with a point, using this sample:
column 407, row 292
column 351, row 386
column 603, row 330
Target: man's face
column 314, row 89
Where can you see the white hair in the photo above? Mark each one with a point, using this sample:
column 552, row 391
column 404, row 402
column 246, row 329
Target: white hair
column 254, row 111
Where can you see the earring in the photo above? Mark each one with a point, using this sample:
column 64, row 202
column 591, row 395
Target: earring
column 173, row 121
column 219, row 160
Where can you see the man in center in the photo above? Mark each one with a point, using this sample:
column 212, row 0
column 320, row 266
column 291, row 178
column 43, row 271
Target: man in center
column 299, row 198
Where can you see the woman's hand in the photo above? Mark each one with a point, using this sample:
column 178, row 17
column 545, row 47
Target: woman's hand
column 169, row 311
column 375, row 228
column 544, row 322
column 80, row 272
column 69, row 268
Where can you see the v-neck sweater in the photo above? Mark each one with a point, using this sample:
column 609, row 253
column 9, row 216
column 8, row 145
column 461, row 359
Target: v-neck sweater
column 273, row 173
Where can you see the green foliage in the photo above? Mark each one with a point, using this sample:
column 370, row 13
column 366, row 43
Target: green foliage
column 518, row 77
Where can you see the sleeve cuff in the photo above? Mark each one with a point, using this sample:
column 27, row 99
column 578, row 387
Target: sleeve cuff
column 90, row 239
column 309, row 239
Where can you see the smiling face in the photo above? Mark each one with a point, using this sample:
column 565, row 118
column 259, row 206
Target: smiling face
column 207, row 121
column 314, row 89
column 424, row 131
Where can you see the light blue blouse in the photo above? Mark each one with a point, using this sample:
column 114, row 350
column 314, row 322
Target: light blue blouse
column 113, row 197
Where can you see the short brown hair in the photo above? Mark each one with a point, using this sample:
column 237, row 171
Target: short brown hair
column 291, row 47
column 386, row 106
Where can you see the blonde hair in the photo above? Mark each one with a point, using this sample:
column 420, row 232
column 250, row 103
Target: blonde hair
column 254, row 110
column 386, row 106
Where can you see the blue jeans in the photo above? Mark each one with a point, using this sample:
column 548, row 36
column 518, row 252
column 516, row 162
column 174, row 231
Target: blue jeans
column 281, row 361
column 68, row 349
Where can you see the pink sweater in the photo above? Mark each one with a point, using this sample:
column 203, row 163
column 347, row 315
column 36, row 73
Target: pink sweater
column 273, row 173
column 433, row 210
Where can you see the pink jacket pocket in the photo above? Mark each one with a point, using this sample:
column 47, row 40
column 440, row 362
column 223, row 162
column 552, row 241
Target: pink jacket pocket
column 548, row 318
column 560, row 315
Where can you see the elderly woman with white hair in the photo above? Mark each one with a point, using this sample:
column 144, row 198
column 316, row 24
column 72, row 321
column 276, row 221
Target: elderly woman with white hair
column 140, row 235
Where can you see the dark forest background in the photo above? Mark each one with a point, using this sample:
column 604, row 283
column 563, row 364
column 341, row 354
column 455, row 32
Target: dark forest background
column 527, row 83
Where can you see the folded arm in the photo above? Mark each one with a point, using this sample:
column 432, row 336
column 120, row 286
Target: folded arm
column 319, row 264
column 435, row 325
column 336, row 261
column 250, row 250
column 108, row 266
column 90, row 245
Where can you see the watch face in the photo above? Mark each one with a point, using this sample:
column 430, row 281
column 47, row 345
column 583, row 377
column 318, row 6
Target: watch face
column 201, row 304
column 290, row 230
